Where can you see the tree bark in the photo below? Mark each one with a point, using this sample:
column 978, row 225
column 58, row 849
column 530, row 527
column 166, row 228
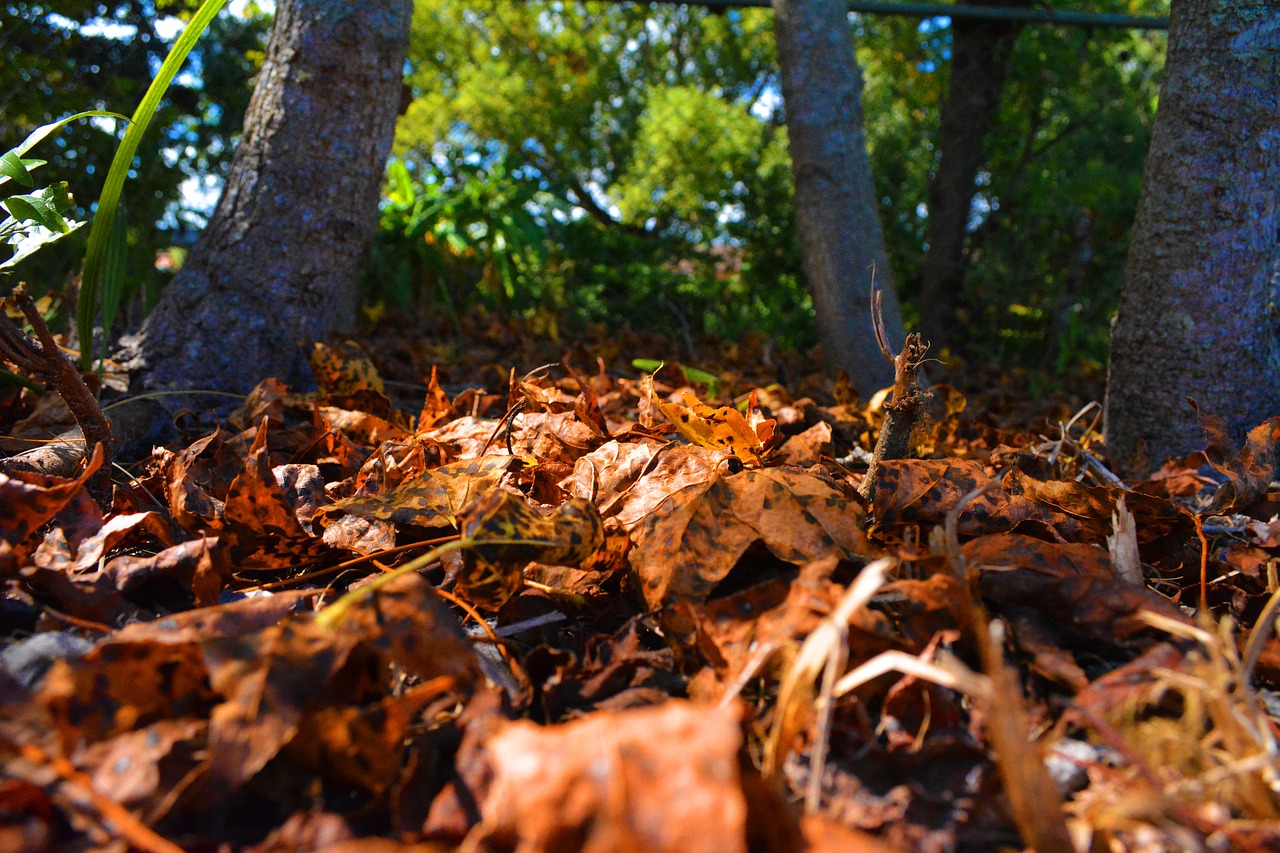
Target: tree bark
column 837, row 218
column 980, row 52
column 277, row 265
column 1200, row 309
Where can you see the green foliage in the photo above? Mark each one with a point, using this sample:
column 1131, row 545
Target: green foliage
column 903, row 66
column 658, row 132
column 59, row 58
column 39, row 217
column 464, row 234
column 1075, row 123
column 689, row 150
column 1055, row 201
column 657, row 174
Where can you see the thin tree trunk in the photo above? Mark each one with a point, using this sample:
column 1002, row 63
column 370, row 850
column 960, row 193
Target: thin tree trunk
column 841, row 241
column 277, row 266
column 980, row 52
column 1200, row 310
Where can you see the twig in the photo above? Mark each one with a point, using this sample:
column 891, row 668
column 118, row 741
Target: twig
column 46, row 361
column 1204, row 564
column 135, row 832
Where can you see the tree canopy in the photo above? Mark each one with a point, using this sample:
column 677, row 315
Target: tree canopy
column 650, row 126
column 581, row 161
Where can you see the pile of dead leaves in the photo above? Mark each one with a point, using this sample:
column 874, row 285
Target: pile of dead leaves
column 592, row 613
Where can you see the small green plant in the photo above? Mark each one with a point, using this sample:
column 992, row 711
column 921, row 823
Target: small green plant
column 466, row 236
column 692, row 375
column 38, row 217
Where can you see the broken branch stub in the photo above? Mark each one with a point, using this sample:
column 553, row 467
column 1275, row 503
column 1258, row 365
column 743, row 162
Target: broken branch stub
column 905, row 411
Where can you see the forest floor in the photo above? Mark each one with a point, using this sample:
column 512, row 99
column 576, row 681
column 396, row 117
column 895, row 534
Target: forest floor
column 533, row 602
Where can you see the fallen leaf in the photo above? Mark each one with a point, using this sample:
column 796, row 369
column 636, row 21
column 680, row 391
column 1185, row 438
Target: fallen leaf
column 693, row 539
column 263, row 529
column 1249, row 470
column 722, row 428
column 28, row 500
column 433, row 498
column 569, row 535
column 663, row 780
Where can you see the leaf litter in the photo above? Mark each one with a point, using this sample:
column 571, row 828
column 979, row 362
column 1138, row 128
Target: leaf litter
column 594, row 611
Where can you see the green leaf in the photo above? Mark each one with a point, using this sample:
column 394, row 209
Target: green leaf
column 32, row 238
column 35, row 208
column 401, row 183
column 58, row 196
column 693, row 374
column 45, row 129
column 96, row 257
column 24, row 165
column 11, row 166
column 455, row 242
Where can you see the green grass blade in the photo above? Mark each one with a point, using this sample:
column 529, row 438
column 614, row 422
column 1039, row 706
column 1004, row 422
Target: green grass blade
column 100, row 233
column 113, row 271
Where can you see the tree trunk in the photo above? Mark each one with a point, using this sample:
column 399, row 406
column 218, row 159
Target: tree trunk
column 980, row 52
column 1200, row 309
column 277, row 266
column 841, row 242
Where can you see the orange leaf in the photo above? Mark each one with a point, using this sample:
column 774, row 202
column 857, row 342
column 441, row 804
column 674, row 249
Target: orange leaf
column 722, row 428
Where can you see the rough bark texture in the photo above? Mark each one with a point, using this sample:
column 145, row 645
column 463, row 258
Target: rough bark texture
column 841, row 241
column 277, row 266
column 1200, row 310
column 980, row 52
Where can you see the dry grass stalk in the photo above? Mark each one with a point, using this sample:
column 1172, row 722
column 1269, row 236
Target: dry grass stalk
column 1034, row 797
column 1212, row 769
column 825, row 651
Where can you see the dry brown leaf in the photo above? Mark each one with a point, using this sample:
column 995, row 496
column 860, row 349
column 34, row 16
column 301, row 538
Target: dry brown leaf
column 433, row 498
column 262, row 528
column 692, row 540
column 662, row 780
column 28, row 500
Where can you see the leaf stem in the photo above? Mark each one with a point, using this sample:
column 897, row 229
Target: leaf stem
column 333, row 615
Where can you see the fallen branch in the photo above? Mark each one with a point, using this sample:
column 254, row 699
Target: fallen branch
column 45, row 360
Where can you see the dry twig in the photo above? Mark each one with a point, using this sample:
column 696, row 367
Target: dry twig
column 43, row 359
